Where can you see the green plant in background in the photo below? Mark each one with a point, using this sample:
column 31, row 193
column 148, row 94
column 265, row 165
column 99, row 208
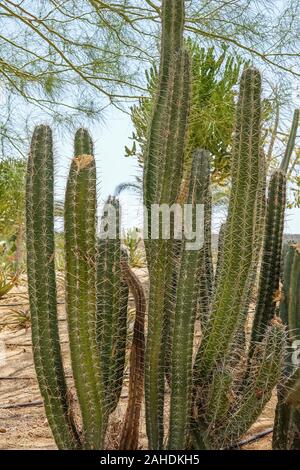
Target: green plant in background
column 96, row 296
column 17, row 318
column 286, row 433
column 133, row 242
column 12, row 179
column 216, row 396
column 7, row 281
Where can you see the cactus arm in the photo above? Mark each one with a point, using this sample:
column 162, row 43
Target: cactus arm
column 185, row 309
column 291, row 142
column 42, row 289
column 112, row 302
column 154, row 358
column 294, row 296
column 83, row 143
column 238, row 239
column 219, row 398
column 171, row 177
column 287, row 419
column 220, row 253
column 272, row 252
column 271, row 260
column 171, row 46
column 163, row 161
column 80, row 250
column 130, row 432
column 206, row 271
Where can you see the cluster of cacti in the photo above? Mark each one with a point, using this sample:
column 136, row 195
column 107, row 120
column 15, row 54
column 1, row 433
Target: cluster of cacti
column 217, row 393
column 286, row 434
column 97, row 280
column 213, row 390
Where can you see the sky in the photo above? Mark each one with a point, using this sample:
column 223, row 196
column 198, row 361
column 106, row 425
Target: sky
column 113, row 168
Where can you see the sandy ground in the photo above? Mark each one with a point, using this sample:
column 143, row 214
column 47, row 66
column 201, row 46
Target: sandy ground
column 23, row 424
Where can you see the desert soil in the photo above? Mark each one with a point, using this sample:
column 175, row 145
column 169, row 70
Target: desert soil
column 23, row 423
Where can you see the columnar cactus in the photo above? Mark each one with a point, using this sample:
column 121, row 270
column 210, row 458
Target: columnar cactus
column 42, row 289
column 112, row 300
column 162, row 180
column 130, row 432
column 231, row 385
column 218, row 395
column 271, row 265
column 81, row 296
column 219, row 387
column 96, row 296
column 286, row 434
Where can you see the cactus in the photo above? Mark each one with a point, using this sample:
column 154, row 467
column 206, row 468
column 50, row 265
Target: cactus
column 218, row 395
column 162, row 179
column 42, row 289
column 287, row 419
column 130, row 432
column 219, row 387
column 187, row 295
column 238, row 237
column 229, row 393
column 81, row 300
column 96, row 296
column 112, row 300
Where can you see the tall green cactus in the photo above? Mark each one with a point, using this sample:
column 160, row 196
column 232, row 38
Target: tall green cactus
column 229, row 394
column 162, row 180
column 217, row 389
column 96, row 296
column 239, row 233
column 187, row 295
column 287, row 420
column 233, row 375
column 271, row 265
column 42, row 289
column 112, row 300
column 81, row 295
